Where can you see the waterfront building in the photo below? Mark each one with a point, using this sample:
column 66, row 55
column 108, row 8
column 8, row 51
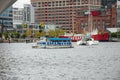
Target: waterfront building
column 118, row 14
column 6, row 19
column 23, row 18
column 62, row 12
column 106, row 19
column 72, row 14
column 28, row 14
column 101, row 19
column 17, row 17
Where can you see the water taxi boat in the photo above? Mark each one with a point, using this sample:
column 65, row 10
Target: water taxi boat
column 54, row 43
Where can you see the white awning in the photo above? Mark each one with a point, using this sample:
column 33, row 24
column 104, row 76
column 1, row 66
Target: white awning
column 4, row 4
column 112, row 30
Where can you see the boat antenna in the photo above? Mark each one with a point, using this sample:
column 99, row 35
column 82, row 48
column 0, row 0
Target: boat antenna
column 72, row 19
column 89, row 16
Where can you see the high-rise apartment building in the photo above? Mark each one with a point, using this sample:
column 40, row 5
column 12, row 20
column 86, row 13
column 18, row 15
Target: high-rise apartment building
column 17, row 16
column 22, row 16
column 63, row 12
column 118, row 14
column 28, row 14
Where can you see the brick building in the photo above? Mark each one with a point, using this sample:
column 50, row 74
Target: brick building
column 71, row 14
column 107, row 18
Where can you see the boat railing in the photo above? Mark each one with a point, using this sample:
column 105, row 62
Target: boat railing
column 55, row 43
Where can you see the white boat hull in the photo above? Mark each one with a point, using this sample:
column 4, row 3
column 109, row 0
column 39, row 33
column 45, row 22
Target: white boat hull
column 51, row 47
column 89, row 42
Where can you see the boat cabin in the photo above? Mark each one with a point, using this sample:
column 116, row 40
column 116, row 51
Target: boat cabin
column 56, row 43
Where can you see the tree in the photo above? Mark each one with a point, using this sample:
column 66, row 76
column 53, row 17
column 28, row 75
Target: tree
column 43, row 33
column 28, row 33
column 6, row 35
column 37, row 34
column 23, row 36
column 114, row 35
column 24, row 25
column 42, row 25
column 0, row 35
column 15, row 35
column 60, row 32
column 52, row 33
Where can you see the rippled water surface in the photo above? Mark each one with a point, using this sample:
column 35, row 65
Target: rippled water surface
column 18, row 61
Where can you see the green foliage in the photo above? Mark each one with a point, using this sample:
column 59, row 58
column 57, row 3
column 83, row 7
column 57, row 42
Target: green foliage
column 42, row 24
column 56, row 33
column 114, row 35
column 43, row 33
column 52, row 33
column 24, row 25
column 37, row 34
column 6, row 35
column 23, row 36
column 15, row 35
column 0, row 35
column 28, row 33
column 60, row 32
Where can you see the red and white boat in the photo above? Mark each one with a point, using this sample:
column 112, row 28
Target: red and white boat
column 99, row 37
column 74, row 38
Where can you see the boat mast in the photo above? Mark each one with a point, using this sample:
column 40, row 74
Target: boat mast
column 72, row 18
column 89, row 18
column 89, row 23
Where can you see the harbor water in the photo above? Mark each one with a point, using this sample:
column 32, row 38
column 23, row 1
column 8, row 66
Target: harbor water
column 19, row 61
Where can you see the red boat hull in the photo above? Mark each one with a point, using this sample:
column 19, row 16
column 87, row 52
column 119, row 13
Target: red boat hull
column 99, row 37
column 74, row 38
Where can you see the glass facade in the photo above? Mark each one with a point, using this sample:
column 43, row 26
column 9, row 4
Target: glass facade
column 6, row 18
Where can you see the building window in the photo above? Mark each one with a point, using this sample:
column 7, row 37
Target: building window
column 82, row 1
column 52, row 3
column 34, row 4
column 57, row 3
column 86, row 1
column 60, row 3
column 42, row 4
column 49, row 3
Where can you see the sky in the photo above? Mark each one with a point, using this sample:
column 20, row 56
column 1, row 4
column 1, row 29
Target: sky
column 20, row 3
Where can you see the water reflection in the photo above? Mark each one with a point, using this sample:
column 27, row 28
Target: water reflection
column 18, row 61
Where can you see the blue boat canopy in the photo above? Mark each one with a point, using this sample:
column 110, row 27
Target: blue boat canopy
column 60, row 39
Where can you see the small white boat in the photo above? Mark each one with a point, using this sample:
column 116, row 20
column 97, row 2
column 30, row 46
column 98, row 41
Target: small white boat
column 90, row 41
